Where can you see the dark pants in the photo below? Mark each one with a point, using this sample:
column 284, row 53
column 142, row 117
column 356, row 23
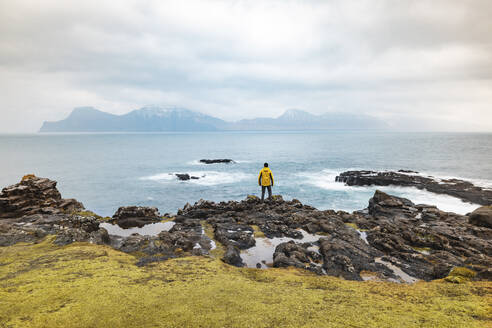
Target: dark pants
column 263, row 192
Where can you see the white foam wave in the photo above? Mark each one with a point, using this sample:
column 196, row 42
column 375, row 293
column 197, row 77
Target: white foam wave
column 326, row 180
column 195, row 162
column 443, row 202
column 205, row 178
column 160, row 177
column 210, row 178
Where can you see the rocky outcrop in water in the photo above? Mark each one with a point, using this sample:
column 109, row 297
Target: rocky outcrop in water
column 34, row 195
column 215, row 161
column 461, row 189
column 135, row 216
column 186, row 177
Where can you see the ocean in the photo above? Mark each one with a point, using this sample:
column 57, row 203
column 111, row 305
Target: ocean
column 106, row 171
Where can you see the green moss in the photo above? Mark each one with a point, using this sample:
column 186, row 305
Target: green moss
column 422, row 249
column 28, row 177
column 253, row 197
column 355, row 226
column 167, row 218
column 459, row 275
column 277, row 197
column 464, row 272
column 257, row 232
column 85, row 285
column 352, row 225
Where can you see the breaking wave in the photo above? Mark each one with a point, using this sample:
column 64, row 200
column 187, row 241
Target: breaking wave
column 326, row 180
column 205, row 178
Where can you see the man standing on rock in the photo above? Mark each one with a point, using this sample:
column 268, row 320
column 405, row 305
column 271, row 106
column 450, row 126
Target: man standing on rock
column 265, row 180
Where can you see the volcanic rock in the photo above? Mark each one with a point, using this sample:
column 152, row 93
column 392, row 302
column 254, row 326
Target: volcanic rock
column 183, row 176
column 393, row 239
column 68, row 228
column 482, row 217
column 238, row 235
column 232, row 256
column 215, row 161
column 297, row 255
column 34, row 195
column 135, row 216
column 461, row 189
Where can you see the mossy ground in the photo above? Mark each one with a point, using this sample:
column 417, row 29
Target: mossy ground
column 84, row 285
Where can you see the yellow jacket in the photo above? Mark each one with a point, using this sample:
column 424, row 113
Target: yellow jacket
column 265, row 178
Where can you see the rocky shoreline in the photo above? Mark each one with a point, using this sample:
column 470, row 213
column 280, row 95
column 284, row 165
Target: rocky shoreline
column 392, row 240
column 461, row 189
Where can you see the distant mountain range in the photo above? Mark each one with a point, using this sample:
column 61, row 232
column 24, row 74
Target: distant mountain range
column 156, row 119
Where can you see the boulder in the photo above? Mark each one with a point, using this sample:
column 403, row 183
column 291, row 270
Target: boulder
column 481, row 217
column 135, row 216
column 232, row 256
column 238, row 235
column 382, row 204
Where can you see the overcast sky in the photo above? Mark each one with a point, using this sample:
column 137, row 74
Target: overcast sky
column 416, row 64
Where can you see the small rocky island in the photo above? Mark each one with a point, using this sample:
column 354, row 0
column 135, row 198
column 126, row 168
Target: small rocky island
column 392, row 239
column 217, row 161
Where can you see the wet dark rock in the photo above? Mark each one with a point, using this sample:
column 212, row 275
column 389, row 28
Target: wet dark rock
column 183, row 176
column 67, row 228
column 346, row 255
column 461, row 189
column 187, row 224
column 277, row 229
column 34, row 195
column 69, row 236
column 297, row 255
column 407, row 171
column 482, row 217
column 238, row 235
column 135, row 216
column 177, row 243
column 382, row 204
column 232, row 256
column 186, row 177
column 215, row 161
column 427, row 242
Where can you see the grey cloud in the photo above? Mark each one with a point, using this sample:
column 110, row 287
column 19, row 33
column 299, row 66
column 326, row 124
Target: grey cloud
column 428, row 60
